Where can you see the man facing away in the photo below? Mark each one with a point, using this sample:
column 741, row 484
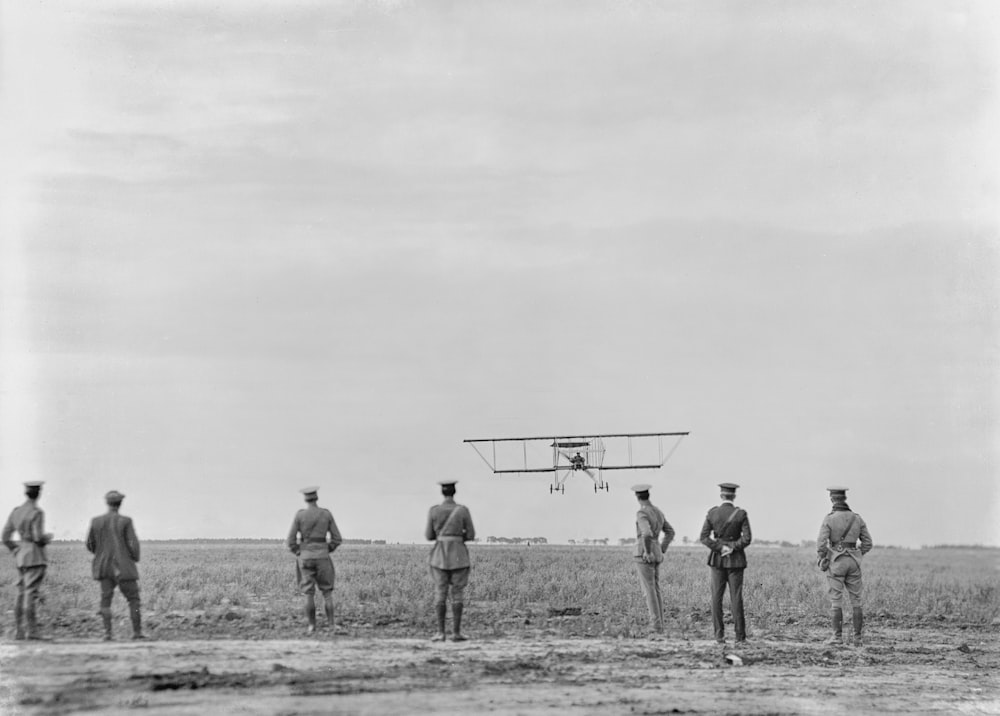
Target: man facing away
column 28, row 520
column 312, row 538
column 649, row 523
column 843, row 540
column 449, row 525
column 115, row 546
column 726, row 533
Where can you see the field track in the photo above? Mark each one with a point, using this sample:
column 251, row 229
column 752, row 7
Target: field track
column 929, row 672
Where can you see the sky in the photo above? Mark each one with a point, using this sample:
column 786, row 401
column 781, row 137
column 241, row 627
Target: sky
column 247, row 247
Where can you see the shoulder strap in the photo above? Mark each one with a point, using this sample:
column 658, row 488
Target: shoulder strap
column 850, row 525
column 451, row 516
column 732, row 516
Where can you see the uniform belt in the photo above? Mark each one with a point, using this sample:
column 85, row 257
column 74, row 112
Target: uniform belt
column 315, row 541
column 450, row 538
column 841, row 546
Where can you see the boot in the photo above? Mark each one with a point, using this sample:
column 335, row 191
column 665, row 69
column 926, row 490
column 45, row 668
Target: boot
column 858, row 619
column 442, row 616
column 136, row 614
column 328, row 610
column 105, row 613
column 456, row 610
column 34, row 634
column 838, row 625
column 311, row 612
column 19, row 618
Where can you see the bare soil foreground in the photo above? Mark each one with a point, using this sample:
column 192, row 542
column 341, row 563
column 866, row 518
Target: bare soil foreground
column 912, row 671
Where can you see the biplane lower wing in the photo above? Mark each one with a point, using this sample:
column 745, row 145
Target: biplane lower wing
column 566, row 454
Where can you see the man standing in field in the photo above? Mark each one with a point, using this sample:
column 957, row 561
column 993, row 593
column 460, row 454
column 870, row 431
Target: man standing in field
column 313, row 536
column 28, row 521
column 843, row 540
column 113, row 542
column 726, row 533
column 649, row 523
column 450, row 526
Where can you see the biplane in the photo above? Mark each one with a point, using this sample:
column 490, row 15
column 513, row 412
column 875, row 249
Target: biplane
column 566, row 455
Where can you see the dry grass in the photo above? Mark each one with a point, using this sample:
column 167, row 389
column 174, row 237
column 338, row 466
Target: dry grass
column 247, row 589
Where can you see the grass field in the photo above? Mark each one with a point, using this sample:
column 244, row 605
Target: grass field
column 246, row 590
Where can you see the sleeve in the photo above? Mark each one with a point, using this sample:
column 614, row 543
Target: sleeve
column 131, row 541
column 470, row 531
column 865, row 537
column 8, row 533
column 292, row 542
column 335, row 539
column 91, row 539
column 37, row 528
column 668, row 536
column 706, row 538
column 429, row 532
column 643, row 525
column 823, row 539
column 746, row 537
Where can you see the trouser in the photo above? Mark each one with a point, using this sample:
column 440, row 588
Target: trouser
column 128, row 587
column 649, row 578
column 29, row 585
column 455, row 579
column 734, row 578
column 844, row 575
column 130, row 590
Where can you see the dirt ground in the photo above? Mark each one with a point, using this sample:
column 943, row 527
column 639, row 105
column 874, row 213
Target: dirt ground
column 912, row 671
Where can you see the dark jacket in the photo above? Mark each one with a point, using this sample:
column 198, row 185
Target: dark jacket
column 115, row 546
column 719, row 531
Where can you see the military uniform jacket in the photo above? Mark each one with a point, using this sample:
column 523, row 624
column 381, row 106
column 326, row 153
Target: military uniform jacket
column 115, row 547
column 841, row 534
column 28, row 521
column 313, row 524
column 719, row 531
column 649, row 522
column 450, row 524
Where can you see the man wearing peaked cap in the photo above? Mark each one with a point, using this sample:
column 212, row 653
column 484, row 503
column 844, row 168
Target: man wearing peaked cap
column 312, row 538
column 649, row 523
column 726, row 533
column 115, row 546
column 28, row 520
column 449, row 526
column 842, row 542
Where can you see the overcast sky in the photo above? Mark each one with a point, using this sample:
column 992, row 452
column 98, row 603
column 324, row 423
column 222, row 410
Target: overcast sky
column 252, row 246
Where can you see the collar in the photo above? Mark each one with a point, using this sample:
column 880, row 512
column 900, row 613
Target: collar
column 728, row 502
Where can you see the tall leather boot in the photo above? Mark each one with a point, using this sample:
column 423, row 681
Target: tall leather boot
column 838, row 625
column 136, row 614
column 34, row 633
column 456, row 610
column 328, row 610
column 858, row 619
column 310, row 610
column 105, row 613
column 442, row 616
column 19, row 617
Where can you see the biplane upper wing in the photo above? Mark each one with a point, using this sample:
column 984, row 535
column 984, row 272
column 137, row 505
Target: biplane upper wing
column 553, row 453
